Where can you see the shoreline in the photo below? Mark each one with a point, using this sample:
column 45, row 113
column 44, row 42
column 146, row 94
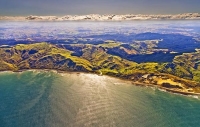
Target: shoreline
column 174, row 91
column 166, row 89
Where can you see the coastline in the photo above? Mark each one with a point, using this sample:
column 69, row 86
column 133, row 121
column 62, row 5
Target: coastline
column 166, row 89
column 173, row 91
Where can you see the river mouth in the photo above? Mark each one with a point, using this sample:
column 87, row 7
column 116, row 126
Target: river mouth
column 45, row 98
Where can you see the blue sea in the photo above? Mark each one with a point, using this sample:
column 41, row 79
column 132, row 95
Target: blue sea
column 49, row 99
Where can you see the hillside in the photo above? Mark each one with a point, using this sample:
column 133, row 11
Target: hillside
column 181, row 75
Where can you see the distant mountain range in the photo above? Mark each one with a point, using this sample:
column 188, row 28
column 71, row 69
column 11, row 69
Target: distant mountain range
column 97, row 17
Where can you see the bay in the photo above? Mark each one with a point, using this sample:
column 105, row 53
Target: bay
column 49, row 99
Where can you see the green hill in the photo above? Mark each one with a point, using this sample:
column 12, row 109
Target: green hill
column 180, row 75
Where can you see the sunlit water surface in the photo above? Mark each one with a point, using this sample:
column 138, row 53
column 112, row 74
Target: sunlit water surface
column 48, row 99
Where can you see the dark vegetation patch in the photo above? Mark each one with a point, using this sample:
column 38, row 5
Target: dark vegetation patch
column 156, row 57
column 174, row 42
column 143, row 58
column 32, row 51
column 168, row 85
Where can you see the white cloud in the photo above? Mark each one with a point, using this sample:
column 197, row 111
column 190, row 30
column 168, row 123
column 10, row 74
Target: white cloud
column 94, row 17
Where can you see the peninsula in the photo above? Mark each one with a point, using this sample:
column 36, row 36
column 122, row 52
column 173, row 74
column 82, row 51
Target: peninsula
column 177, row 76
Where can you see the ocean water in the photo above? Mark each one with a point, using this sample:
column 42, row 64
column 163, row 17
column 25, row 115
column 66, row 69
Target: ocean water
column 48, row 99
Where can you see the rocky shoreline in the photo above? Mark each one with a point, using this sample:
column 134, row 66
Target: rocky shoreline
column 176, row 91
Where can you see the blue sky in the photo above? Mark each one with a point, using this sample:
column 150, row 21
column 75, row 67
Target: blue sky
column 80, row 7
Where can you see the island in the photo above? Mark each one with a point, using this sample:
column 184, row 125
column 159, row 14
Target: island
column 181, row 75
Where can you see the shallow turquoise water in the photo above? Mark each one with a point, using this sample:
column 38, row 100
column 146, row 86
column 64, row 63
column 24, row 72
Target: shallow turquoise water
column 47, row 99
